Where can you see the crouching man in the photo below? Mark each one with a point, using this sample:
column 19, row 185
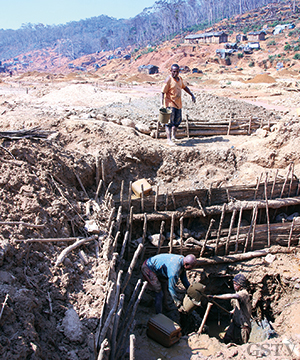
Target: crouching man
column 163, row 272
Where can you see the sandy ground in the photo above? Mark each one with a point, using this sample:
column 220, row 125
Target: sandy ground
column 87, row 118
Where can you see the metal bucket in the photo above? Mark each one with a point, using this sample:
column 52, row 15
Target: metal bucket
column 164, row 115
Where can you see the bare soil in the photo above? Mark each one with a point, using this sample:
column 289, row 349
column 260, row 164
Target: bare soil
column 90, row 116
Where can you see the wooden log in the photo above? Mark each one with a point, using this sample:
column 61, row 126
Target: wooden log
column 67, row 250
column 217, row 209
column 131, row 266
column 200, row 205
column 48, row 239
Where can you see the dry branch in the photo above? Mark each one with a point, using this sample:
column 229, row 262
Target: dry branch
column 67, row 250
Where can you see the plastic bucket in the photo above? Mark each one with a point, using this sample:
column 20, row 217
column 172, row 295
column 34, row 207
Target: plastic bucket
column 164, row 115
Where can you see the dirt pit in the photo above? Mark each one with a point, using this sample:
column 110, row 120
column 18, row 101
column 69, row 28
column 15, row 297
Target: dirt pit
column 48, row 186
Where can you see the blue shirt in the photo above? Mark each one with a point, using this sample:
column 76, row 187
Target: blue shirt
column 169, row 267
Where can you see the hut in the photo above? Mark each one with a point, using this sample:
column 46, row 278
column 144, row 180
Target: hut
column 211, row 37
column 257, row 35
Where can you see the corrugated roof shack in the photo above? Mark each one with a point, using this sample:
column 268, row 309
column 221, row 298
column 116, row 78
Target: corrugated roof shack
column 211, row 37
column 256, row 36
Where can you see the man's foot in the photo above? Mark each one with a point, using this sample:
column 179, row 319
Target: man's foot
column 170, row 143
column 174, row 139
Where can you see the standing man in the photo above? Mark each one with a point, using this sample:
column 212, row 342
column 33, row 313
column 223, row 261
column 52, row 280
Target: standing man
column 171, row 98
column 239, row 329
column 163, row 272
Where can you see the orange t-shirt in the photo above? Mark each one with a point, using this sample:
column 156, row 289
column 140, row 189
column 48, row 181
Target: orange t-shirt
column 172, row 91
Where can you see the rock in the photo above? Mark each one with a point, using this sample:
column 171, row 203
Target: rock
column 143, row 128
column 72, row 326
column 127, row 122
column 261, row 133
column 154, row 239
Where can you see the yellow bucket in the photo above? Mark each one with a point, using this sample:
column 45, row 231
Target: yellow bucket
column 164, row 115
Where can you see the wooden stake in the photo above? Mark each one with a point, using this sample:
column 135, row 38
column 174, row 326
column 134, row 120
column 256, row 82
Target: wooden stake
column 3, row 305
column 212, row 221
column 290, row 235
column 162, row 225
column 292, row 176
column 167, row 201
column 254, row 211
column 125, row 241
column 98, row 189
column 230, row 230
column 115, row 243
column 254, row 227
column 257, row 186
column 238, row 231
column 132, row 265
column 104, row 349
column 181, row 235
column 111, row 314
column 111, row 215
column 156, row 197
column 122, row 193
column 172, row 233
column 115, row 327
column 103, row 172
column 129, row 195
column 81, row 184
column 200, row 205
column 173, row 200
column 273, row 186
column 220, row 227
column 142, row 198
column 119, row 219
column 285, row 181
column 97, row 164
column 267, row 211
column 144, row 229
column 132, row 347
column 209, row 194
column 107, row 190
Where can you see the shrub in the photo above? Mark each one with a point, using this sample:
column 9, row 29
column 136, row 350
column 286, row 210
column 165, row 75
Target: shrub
column 296, row 48
column 240, row 55
column 287, row 47
column 251, row 64
column 272, row 42
column 297, row 56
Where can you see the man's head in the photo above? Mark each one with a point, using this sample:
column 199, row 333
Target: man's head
column 175, row 70
column 189, row 261
column 239, row 281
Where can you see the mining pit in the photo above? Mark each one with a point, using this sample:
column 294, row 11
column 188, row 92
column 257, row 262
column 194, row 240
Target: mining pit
column 73, row 234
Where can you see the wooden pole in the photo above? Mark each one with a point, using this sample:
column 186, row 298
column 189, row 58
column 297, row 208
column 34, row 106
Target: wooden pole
column 172, row 233
column 125, row 241
column 132, row 347
column 162, row 225
column 167, row 200
column 173, row 200
column 187, row 127
column 267, row 211
column 122, row 193
column 291, row 233
column 81, row 184
column 257, row 186
column 206, row 236
column 200, row 205
column 254, row 227
column 129, row 195
column 181, row 235
column 220, row 227
column 156, row 197
column 230, row 230
column 98, row 189
column 142, row 198
column 103, row 172
column 111, row 215
column 254, row 210
column 132, row 265
column 273, row 186
column 115, row 327
column 209, row 305
column 238, row 231
column 285, row 181
column 144, row 229
column 97, row 164
column 292, row 176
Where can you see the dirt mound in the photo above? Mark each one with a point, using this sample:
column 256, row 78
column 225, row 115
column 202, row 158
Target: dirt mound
column 261, row 78
column 210, row 82
column 288, row 72
column 140, row 78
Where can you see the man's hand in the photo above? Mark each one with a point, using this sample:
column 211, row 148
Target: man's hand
column 193, row 98
column 181, row 309
column 210, row 296
column 177, row 303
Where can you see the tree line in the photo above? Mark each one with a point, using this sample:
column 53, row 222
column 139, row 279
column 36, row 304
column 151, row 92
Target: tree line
column 162, row 21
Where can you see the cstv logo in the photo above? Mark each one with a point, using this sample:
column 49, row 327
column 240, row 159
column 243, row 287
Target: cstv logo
column 269, row 349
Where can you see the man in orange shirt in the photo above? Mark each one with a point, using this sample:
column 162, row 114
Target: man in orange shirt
column 171, row 98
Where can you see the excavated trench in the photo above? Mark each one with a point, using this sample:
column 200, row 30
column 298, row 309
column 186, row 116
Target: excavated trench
column 85, row 301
